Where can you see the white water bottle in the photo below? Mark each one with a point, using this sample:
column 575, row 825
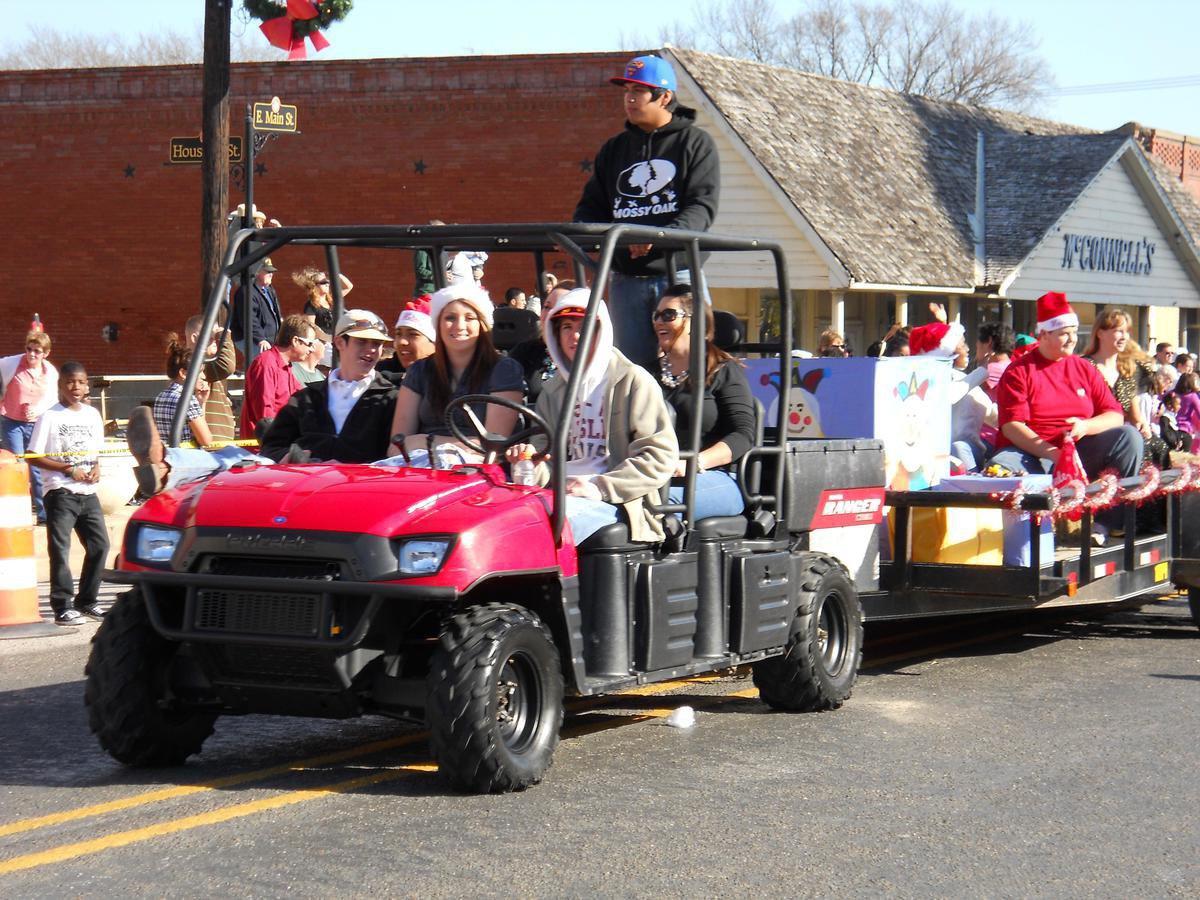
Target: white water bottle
column 522, row 469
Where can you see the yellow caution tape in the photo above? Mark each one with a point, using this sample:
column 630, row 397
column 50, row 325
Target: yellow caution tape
column 123, row 450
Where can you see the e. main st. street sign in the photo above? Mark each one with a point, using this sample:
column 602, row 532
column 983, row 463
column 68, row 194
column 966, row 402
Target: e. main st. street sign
column 274, row 116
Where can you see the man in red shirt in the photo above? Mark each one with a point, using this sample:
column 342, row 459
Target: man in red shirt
column 269, row 379
column 1048, row 394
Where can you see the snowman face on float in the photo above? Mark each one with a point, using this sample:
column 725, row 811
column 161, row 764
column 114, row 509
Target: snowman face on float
column 804, row 411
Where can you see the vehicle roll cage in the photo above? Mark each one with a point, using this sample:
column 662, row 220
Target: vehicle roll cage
column 590, row 248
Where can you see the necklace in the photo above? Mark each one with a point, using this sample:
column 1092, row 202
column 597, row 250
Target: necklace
column 666, row 376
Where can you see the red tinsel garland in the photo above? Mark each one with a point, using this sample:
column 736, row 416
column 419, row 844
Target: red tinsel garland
column 1110, row 494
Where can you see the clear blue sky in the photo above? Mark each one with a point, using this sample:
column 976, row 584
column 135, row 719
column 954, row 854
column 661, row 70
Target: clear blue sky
column 1084, row 41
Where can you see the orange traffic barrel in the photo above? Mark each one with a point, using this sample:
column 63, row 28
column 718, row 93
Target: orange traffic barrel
column 19, row 615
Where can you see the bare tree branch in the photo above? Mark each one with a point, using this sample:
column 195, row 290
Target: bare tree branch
column 51, row 48
column 915, row 46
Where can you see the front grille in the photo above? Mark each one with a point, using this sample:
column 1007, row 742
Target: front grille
column 258, row 612
column 273, row 567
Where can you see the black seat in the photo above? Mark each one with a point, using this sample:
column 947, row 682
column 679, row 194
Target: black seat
column 722, row 527
column 611, row 537
column 511, row 326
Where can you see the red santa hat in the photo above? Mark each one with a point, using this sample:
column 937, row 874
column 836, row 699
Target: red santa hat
column 415, row 315
column 1054, row 312
column 936, row 339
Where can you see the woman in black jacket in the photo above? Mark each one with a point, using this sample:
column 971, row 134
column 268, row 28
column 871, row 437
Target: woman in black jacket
column 727, row 414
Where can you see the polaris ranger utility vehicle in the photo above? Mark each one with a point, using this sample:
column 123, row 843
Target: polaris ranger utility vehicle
column 456, row 597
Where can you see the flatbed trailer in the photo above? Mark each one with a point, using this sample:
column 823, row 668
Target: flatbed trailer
column 1126, row 569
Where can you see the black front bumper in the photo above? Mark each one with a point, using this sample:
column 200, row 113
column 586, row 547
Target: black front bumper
column 280, row 612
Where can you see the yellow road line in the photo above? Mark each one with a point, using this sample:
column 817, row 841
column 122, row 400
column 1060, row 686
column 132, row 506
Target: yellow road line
column 163, row 794
column 216, row 816
column 155, row 796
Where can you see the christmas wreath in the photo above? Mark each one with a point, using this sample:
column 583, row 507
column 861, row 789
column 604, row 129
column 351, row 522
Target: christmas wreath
column 286, row 25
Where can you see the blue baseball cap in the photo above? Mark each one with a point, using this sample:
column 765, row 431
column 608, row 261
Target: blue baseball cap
column 652, row 71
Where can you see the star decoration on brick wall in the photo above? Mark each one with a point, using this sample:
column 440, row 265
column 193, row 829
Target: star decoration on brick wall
column 419, row 167
column 129, row 170
column 585, row 165
column 260, row 168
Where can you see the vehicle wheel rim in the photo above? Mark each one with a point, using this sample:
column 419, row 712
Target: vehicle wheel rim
column 518, row 700
column 831, row 634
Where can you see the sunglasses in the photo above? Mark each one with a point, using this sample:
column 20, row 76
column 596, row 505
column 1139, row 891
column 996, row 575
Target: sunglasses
column 326, row 281
column 668, row 315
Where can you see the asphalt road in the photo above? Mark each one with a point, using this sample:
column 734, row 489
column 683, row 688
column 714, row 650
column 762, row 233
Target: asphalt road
column 1000, row 757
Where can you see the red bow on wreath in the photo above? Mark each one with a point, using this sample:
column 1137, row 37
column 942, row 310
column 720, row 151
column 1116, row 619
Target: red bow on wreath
column 280, row 33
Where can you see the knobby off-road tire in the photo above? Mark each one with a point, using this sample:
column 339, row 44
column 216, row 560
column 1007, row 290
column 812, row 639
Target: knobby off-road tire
column 820, row 662
column 128, row 694
column 495, row 699
column 1194, row 605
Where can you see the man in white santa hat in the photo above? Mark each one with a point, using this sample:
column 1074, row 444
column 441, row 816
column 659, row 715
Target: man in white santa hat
column 1049, row 394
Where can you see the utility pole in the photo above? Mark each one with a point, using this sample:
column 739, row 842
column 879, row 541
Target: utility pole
column 214, row 170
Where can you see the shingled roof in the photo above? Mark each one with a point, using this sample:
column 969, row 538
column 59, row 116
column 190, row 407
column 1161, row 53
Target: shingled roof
column 887, row 180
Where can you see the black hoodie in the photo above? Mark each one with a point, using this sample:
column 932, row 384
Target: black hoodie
column 669, row 176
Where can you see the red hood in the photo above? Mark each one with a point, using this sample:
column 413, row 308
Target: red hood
column 361, row 499
column 498, row 527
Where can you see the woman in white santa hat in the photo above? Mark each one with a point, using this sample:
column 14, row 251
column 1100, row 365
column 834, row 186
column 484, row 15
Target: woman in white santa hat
column 464, row 361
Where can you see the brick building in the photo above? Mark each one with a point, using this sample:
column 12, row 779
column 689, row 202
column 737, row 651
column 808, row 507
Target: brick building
column 101, row 230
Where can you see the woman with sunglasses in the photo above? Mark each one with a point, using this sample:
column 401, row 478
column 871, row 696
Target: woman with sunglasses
column 464, row 361
column 318, row 303
column 727, row 415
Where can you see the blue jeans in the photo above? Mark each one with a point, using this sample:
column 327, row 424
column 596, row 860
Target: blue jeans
column 631, row 301
column 188, row 465
column 14, row 437
column 1118, row 448
column 588, row 516
column 971, row 453
column 717, row 494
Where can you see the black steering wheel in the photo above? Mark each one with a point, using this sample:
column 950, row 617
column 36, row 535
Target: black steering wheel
column 493, row 445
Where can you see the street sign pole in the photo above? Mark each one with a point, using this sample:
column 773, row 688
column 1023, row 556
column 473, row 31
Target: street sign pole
column 251, row 350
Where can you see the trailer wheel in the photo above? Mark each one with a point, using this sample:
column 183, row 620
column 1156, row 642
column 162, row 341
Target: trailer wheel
column 495, row 701
column 131, row 707
column 819, row 664
column 1194, row 605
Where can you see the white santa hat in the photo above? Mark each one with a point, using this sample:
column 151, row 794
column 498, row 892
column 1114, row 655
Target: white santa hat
column 1054, row 312
column 415, row 315
column 470, row 293
column 936, row 339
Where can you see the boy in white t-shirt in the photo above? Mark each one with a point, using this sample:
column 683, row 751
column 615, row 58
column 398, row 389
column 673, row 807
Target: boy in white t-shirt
column 71, row 435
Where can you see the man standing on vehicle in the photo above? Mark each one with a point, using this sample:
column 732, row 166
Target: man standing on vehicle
column 661, row 170
column 1049, row 394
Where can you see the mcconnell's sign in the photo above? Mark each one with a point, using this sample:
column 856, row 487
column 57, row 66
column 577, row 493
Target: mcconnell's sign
column 1093, row 253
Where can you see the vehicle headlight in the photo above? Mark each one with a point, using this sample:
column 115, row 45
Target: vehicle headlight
column 156, row 545
column 422, row 557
